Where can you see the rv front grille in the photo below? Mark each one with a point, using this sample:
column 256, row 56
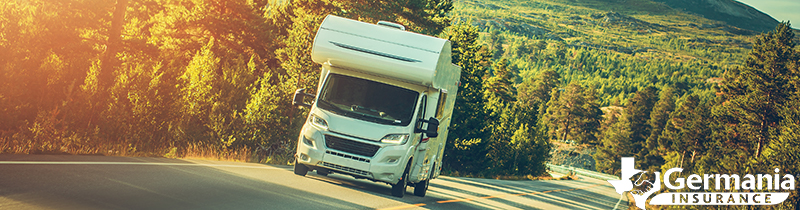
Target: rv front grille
column 346, row 169
column 350, row 146
column 347, row 156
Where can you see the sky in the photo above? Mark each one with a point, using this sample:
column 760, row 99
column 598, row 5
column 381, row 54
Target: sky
column 781, row 10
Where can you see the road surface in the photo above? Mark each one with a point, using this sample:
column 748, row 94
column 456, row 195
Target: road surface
column 100, row 182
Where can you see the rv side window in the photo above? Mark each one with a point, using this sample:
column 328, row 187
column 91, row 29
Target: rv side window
column 440, row 104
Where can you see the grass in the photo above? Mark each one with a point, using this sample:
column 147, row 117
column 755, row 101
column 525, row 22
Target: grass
column 204, row 152
column 10, row 145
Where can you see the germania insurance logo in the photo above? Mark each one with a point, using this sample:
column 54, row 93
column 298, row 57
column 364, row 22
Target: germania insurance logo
column 759, row 189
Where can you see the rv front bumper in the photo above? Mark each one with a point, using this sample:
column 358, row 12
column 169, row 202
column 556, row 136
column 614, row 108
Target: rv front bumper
column 386, row 165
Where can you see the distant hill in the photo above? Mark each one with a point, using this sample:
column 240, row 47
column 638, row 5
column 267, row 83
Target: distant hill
column 618, row 46
column 731, row 12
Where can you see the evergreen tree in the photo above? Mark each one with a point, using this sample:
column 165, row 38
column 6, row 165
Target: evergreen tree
column 756, row 93
column 784, row 151
column 757, row 111
column 637, row 113
column 422, row 16
column 466, row 148
column 496, row 43
column 499, row 89
column 626, row 138
column 658, row 120
column 515, row 146
column 537, row 90
column 616, row 143
column 573, row 114
column 590, row 124
column 686, row 135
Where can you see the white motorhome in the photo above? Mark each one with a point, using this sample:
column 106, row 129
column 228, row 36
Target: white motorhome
column 383, row 105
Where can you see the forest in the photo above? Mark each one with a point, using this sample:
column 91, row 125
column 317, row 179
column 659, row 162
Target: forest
column 211, row 79
column 214, row 79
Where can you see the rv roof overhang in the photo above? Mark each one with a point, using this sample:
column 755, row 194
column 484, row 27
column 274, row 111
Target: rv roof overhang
column 376, row 50
column 379, row 78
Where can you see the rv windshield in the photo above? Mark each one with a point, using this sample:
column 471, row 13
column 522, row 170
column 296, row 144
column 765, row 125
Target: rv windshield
column 368, row 100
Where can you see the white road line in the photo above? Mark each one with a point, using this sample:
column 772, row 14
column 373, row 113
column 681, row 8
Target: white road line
column 620, row 200
column 126, row 163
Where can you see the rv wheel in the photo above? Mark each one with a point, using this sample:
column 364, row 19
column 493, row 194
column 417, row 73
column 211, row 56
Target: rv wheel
column 300, row 169
column 323, row 172
column 422, row 187
column 399, row 189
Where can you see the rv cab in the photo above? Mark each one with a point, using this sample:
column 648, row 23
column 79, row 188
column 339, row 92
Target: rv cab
column 382, row 108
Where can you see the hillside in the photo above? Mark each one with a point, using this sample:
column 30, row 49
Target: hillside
column 616, row 46
column 731, row 12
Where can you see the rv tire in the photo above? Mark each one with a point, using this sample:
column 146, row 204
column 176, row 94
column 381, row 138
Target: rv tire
column 399, row 189
column 300, row 169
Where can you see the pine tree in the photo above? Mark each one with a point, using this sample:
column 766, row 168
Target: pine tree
column 637, row 113
column 537, row 90
column 756, row 93
column 615, row 144
column 466, row 148
column 686, row 134
column 658, row 120
column 626, row 138
column 758, row 112
column 590, row 123
column 573, row 114
column 784, row 151
column 499, row 89
column 496, row 43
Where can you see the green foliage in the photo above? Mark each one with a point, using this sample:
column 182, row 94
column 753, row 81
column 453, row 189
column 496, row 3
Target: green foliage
column 152, row 77
column 784, row 151
column 499, row 89
column 573, row 114
column 267, row 119
column 492, row 133
column 687, row 134
column 627, row 137
column 759, row 104
column 757, row 92
column 516, row 146
column 536, row 90
column 584, row 43
column 467, row 130
column 660, row 115
column 615, row 144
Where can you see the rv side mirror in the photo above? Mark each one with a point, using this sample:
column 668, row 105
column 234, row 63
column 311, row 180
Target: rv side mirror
column 433, row 128
column 299, row 95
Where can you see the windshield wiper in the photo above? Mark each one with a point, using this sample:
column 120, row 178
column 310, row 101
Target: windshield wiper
column 379, row 116
column 334, row 107
column 363, row 116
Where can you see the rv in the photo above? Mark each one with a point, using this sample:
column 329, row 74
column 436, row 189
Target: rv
column 382, row 107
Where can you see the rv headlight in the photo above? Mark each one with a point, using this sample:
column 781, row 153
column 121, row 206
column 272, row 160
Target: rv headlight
column 395, row 139
column 318, row 121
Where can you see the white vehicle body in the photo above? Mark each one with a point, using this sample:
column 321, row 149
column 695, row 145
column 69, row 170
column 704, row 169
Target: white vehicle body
column 379, row 87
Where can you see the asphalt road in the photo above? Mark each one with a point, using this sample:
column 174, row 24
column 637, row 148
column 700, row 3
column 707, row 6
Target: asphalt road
column 99, row 182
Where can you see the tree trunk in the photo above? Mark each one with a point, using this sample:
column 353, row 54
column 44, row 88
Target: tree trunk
column 109, row 61
column 760, row 139
column 566, row 129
